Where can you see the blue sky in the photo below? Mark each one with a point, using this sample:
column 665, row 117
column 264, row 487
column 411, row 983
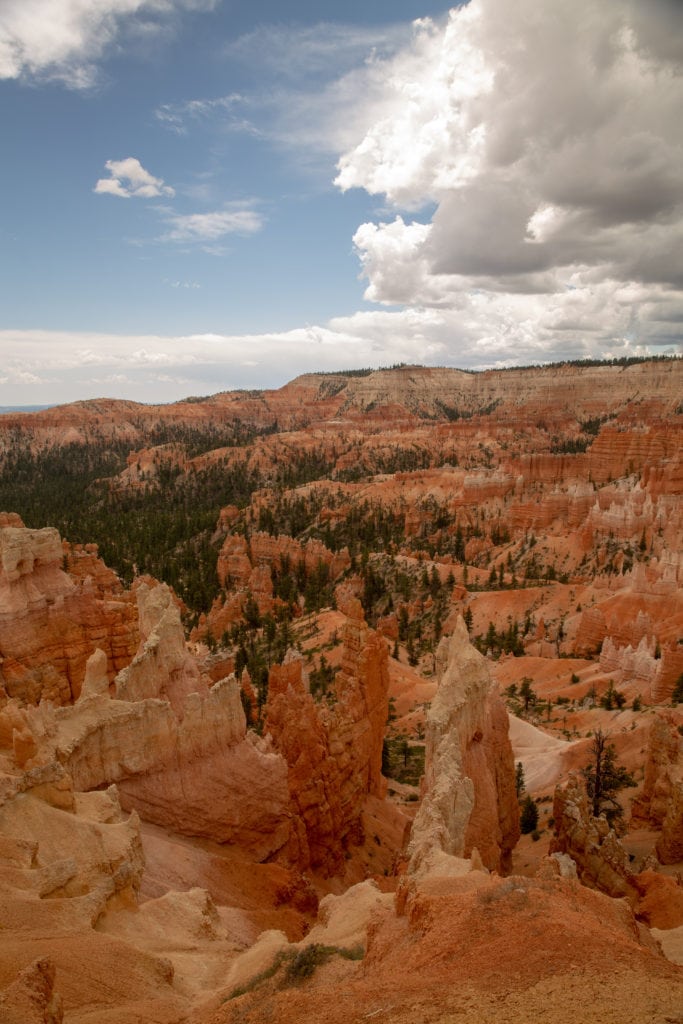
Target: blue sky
column 200, row 195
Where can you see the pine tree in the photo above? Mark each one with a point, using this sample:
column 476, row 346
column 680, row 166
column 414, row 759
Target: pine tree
column 528, row 819
column 604, row 778
column 526, row 693
column 519, row 778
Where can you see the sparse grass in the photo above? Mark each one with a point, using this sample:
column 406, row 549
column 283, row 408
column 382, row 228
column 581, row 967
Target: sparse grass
column 298, row 965
column 304, row 963
column 259, row 978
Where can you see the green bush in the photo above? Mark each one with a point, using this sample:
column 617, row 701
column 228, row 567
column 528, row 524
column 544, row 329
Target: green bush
column 528, row 819
column 304, row 963
column 299, row 965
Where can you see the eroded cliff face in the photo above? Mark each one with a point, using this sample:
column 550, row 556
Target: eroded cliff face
column 65, row 857
column 176, row 745
column 661, row 800
column 401, row 395
column 50, row 620
column 601, row 860
column 333, row 751
column 469, row 797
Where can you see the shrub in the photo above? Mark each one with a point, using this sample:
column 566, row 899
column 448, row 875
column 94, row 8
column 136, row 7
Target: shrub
column 299, row 965
column 528, row 819
column 306, row 960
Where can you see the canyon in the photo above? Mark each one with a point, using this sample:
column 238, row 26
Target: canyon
column 282, row 671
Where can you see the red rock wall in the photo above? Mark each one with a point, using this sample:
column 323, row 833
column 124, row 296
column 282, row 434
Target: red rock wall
column 51, row 620
column 333, row 752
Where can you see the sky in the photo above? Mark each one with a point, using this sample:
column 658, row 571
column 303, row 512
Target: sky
column 201, row 195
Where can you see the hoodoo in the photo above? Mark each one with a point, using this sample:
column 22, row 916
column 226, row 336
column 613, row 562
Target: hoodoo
column 297, row 689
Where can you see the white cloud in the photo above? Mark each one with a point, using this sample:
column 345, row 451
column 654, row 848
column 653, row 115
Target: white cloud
column 222, row 111
column 44, row 367
column 63, row 39
column 128, row 178
column 234, row 219
column 313, row 76
column 549, row 139
column 296, row 51
column 191, row 285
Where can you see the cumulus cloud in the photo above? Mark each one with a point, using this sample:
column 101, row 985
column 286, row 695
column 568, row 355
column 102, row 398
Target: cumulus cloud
column 128, row 178
column 548, row 141
column 63, row 39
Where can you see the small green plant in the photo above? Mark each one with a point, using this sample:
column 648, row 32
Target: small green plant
column 259, row 978
column 304, row 963
column 402, row 760
column 299, row 964
column 526, row 693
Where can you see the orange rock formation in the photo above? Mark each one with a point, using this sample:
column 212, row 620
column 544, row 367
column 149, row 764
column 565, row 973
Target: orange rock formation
column 469, row 800
column 333, row 751
column 51, row 620
column 152, row 845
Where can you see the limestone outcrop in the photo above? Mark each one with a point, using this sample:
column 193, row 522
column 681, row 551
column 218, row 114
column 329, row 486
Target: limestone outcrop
column 469, row 800
column 71, row 857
